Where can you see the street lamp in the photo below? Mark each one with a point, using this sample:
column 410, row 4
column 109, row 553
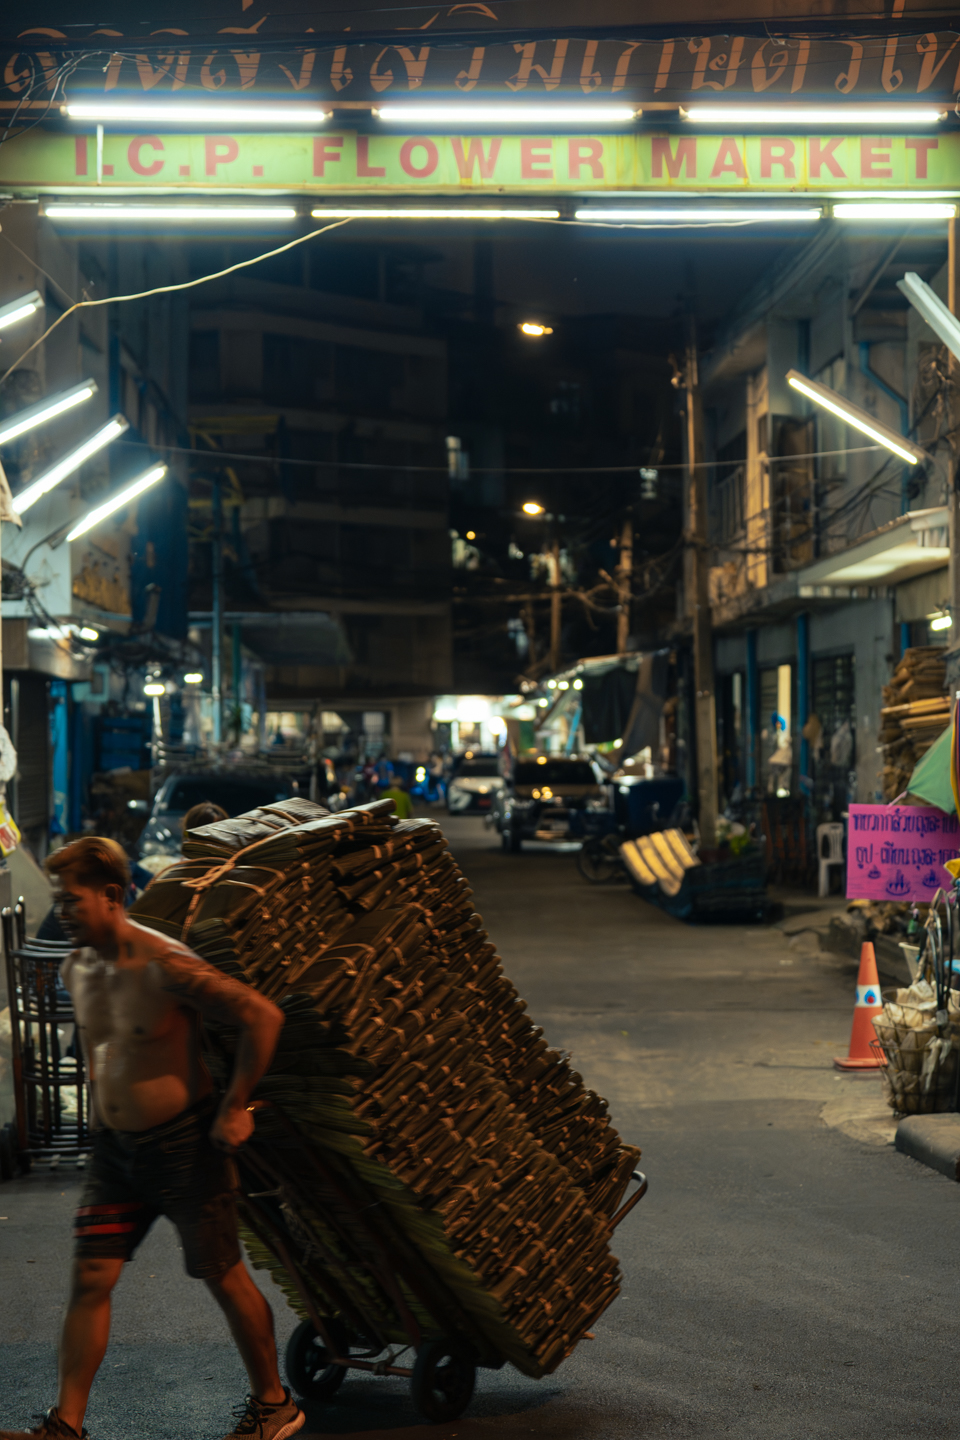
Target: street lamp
column 116, row 502
column 70, row 462
column 530, row 507
column 534, row 328
column 20, row 309
column 35, row 415
column 928, row 304
column 860, row 419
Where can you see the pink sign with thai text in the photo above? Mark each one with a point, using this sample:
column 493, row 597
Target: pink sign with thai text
column 897, row 852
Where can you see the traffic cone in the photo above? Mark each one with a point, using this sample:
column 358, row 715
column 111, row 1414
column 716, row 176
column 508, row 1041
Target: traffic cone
column 868, row 1004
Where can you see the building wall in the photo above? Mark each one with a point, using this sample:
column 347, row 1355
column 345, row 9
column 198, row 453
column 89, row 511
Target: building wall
column 354, row 392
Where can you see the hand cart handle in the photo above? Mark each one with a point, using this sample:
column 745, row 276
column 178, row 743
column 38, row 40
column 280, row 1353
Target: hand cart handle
column 628, row 1205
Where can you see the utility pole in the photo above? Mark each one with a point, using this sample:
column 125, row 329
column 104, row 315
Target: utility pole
column 953, row 498
column 624, row 574
column 216, row 643
column 555, row 606
column 697, row 586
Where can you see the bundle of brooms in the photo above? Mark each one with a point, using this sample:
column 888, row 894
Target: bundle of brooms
column 408, row 1061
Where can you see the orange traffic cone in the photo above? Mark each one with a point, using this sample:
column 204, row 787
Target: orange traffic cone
column 868, row 1004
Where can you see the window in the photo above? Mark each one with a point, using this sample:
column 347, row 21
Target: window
column 834, row 752
column 204, row 364
column 297, row 371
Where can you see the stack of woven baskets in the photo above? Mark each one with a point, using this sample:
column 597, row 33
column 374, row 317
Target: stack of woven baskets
column 408, row 1053
column 920, row 1049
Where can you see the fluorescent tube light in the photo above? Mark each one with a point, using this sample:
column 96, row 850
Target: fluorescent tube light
column 701, row 215
column 818, row 117
column 942, row 622
column 169, row 214
column 123, row 497
column 521, row 113
column 154, row 687
column 895, row 210
column 183, row 112
column 19, row 309
column 70, row 463
column 859, row 419
column 194, row 677
column 927, row 302
column 29, row 419
column 423, row 212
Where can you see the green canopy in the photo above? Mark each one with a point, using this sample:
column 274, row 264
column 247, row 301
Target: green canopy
column 930, row 780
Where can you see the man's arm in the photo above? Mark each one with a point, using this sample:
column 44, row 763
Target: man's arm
column 219, row 997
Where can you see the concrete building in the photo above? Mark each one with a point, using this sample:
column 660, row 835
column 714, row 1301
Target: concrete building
column 337, row 567
column 828, row 555
column 126, row 575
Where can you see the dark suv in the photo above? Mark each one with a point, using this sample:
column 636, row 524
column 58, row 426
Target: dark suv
column 538, row 798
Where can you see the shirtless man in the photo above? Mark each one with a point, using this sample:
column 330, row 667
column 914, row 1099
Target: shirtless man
column 162, row 1141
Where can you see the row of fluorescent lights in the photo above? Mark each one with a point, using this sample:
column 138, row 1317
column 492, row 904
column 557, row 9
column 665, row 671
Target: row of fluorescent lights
column 177, row 213
column 494, row 113
column 34, row 416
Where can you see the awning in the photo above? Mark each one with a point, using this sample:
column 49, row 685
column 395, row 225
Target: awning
column 930, row 780
column 908, row 546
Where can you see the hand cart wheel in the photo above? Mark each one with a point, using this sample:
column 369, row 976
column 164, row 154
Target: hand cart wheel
column 596, row 863
column 443, row 1379
column 306, row 1361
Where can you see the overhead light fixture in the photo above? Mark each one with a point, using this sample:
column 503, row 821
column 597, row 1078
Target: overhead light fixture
column 87, row 632
column 433, row 212
column 819, row 117
column 520, row 112
column 860, row 420
column 532, row 508
column 531, row 327
column 35, row 415
column 154, row 687
column 702, row 214
column 941, row 622
column 168, row 214
column 927, row 302
column 20, row 309
column 194, row 678
column 895, row 210
column 70, row 463
column 116, row 502
column 183, row 112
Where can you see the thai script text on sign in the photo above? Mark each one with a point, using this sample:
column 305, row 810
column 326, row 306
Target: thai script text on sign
column 897, row 852
column 342, row 160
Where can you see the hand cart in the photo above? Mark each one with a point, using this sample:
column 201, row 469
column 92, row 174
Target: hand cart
column 49, row 1084
column 337, row 1240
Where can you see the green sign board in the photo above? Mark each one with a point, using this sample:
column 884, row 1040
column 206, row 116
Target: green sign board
column 338, row 161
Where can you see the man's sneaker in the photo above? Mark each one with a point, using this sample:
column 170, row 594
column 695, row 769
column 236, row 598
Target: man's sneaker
column 51, row 1427
column 257, row 1421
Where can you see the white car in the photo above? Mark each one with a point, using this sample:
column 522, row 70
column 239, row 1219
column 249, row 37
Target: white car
column 473, row 784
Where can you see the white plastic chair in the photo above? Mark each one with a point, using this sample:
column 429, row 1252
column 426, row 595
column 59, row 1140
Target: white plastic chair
column 829, row 852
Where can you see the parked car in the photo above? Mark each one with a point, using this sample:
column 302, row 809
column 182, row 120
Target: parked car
column 474, row 780
column 541, row 797
column 234, row 791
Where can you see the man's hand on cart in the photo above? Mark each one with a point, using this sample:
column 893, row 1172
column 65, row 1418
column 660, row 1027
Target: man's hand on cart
column 232, row 1127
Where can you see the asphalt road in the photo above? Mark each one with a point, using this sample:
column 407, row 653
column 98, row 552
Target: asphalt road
column 782, row 1279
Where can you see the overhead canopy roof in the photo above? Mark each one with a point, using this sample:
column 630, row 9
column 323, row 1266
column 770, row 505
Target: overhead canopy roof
column 910, row 545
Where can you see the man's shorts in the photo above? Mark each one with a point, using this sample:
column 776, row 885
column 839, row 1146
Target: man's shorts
column 172, row 1169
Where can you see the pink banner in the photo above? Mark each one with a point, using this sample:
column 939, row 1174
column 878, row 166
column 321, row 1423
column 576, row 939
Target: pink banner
column 897, row 852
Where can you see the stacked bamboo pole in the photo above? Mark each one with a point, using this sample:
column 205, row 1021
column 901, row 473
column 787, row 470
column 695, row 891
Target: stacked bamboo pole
column 408, row 1056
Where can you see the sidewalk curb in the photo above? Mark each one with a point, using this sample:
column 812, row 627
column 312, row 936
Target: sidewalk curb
column 934, row 1140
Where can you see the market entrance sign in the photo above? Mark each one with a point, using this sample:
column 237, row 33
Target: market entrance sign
column 342, row 160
